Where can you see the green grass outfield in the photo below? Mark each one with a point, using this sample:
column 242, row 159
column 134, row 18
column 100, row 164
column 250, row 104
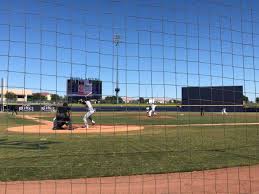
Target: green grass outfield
column 156, row 149
column 163, row 118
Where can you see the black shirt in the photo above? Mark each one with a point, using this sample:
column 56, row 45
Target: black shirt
column 63, row 109
column 63, row 112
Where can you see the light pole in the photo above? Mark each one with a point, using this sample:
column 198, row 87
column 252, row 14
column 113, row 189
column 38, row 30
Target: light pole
column 2, row 94
column 116, row 41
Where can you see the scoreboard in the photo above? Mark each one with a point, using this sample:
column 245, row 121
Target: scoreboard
column 215, row 95
column 84, row 87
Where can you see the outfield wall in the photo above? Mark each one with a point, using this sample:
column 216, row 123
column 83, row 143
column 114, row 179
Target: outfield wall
column 50, row 108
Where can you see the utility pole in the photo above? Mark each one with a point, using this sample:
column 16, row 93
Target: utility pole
column 116, row 41
column 2, row 94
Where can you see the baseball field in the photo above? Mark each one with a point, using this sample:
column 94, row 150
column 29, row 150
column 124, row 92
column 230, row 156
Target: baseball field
column 168, row 142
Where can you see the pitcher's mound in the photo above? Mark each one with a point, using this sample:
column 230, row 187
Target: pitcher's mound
column 47, row 129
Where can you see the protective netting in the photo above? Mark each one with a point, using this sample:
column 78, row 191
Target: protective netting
column 160, row 96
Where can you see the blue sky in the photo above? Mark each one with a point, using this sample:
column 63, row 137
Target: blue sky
column 164, row 45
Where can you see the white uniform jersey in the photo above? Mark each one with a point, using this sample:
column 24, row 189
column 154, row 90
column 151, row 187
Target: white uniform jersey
column 153, row 107
column 89, row 105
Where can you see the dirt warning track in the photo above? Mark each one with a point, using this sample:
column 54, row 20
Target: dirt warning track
column 224, row 181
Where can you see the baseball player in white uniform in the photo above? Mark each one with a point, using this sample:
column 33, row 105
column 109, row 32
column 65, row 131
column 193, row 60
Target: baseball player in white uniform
column 89, row 113
column 224, row 111
column 151, row 111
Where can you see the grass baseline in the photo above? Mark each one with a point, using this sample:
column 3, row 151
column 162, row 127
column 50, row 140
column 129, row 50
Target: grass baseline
column 153, row 150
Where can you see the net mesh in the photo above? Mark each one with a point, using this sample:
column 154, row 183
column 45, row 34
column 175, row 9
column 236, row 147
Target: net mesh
column 162, row 96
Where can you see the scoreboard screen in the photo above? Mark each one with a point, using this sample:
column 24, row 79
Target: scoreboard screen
column 84, row 87
column 216, row 95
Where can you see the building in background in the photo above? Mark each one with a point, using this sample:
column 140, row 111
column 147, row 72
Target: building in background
column 129, row 99
column 21, row 94
column 162, row 100
column 45, row 94
column 79, row 88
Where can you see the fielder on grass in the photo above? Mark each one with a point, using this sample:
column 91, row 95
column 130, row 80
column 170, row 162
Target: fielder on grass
column 90, row 111
column 224, row 111
column 151, row 110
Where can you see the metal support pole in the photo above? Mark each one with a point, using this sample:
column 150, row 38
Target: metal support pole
column 116, row 40
column 2, row 94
